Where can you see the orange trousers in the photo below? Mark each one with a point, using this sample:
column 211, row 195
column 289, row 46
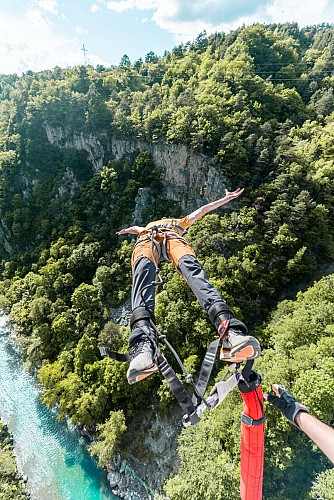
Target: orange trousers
column 176, row 248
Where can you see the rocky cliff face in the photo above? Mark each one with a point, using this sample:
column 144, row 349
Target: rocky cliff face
column 78, row 140
column 190, row 179
column 148, row 458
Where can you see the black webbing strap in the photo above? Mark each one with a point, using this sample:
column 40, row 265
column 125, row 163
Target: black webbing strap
column 250, row 422
column 246, row 371
column 206, row 369
column 141, row 313
column 169, row 374
column 177, row 388
column 117, row 356
column 180, row 228
column 164, row 248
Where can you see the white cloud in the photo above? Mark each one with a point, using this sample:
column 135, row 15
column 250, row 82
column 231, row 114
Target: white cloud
column 119, row 6
column 37, row 20
column 123, row 5
column 30, row 43
column 184, row 19
column 95, row 60
column 307, row 12
column 95, row 8
column 212, row 12
column 50, row 6
column 80, row 30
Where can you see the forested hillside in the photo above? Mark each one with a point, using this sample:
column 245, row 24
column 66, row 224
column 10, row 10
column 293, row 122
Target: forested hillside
column 259, row 103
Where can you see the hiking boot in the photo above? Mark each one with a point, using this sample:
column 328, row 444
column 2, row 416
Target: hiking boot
column 238, row 347
column 142, row 364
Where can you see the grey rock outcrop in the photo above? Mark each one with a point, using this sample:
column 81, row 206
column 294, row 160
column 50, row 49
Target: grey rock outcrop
column 80, row 141
column 121, row 314
column 190, row 178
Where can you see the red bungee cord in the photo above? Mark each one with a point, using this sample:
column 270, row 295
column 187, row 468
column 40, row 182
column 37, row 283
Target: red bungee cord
column 252, row 438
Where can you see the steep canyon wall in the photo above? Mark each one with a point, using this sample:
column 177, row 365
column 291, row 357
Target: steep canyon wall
column 191, row 179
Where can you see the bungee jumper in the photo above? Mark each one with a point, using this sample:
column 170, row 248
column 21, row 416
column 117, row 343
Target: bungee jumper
column 163, row 240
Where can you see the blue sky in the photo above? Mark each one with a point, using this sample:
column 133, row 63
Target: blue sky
column 42, row 34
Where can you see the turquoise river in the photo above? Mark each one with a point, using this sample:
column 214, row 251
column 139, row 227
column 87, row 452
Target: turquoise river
column 51, row 454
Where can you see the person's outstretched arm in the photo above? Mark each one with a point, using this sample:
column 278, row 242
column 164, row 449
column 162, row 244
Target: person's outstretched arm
column 131, row 230
column 321, row 434
column 200, row 212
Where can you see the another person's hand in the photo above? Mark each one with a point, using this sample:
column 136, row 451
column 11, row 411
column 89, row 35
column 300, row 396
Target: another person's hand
column 321, row 434
column 286, row 403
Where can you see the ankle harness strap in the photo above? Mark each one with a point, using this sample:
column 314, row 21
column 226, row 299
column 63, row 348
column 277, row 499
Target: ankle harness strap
column 141, row 313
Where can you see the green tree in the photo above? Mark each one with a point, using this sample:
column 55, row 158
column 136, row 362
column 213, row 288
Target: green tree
column 85, row 353
column 324, row 486
column 86, row 304
column 110, row 434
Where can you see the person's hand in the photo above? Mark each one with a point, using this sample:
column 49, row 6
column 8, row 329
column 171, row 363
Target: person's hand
column 130, row 230
column 231, row 195
column 122, row 231
column 286, row 403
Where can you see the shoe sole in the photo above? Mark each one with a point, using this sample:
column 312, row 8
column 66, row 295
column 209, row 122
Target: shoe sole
column 135, row 377
column 249, row 350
